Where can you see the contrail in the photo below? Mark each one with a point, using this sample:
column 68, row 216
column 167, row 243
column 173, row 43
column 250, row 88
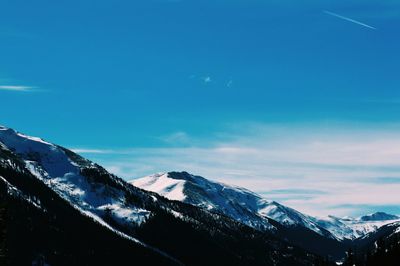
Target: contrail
column 349, row 19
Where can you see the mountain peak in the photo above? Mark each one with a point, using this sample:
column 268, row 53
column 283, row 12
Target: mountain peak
column 233, row 202
column 183, row 176
column 236, row 202
column 163, row 184
column 252, row 209
column 19, row 139
column 379, row 216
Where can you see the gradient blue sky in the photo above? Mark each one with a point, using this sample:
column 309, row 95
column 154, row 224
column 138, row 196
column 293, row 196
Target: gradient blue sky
column 278, row 96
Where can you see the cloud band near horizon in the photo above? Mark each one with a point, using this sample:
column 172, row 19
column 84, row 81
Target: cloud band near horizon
column 356, row 166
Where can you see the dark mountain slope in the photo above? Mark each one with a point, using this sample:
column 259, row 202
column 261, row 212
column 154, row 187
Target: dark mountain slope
column 381, row 247
column 387, row 252
column 311, row 241
column 58, row 234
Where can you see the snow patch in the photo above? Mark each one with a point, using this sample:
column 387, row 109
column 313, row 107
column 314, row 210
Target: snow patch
column 162, row 184
column 126, row 215
column 397, row 230
column 177, row 214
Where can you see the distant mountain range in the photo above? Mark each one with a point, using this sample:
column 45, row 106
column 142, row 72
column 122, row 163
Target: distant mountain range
column 252, row 209
column 58, row 208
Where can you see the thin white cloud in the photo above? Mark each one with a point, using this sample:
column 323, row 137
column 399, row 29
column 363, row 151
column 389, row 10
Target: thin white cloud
column 16, row 88
column 354, row 166
column 92, row 151
column 349, row 19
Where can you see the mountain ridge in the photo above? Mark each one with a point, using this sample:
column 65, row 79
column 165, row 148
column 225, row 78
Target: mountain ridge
column 239, row 227
column 198, row 191
column 46, row 186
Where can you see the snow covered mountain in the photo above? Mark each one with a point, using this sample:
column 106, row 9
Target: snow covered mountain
column 353, row 228
column 56, row 167
column 71, row 211
column 238, row 203
column 378, row 216
column 50, row 206
column 252, row 209
column 62, row 203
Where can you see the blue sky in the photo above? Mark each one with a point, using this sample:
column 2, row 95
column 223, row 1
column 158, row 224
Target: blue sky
column 253, row 92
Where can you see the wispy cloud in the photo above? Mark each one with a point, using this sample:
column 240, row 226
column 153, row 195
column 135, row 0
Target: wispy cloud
column 17, row 88
column 93, row 151
column 313, row 170
column 349, row 19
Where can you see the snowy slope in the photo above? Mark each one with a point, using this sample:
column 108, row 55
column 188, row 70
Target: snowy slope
column 55, row 179
column 162, row 184
column 62, row 171
column 52, row 165
column 205, row 194
column 252, row 209
column 238, row 203
column 353, row 228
